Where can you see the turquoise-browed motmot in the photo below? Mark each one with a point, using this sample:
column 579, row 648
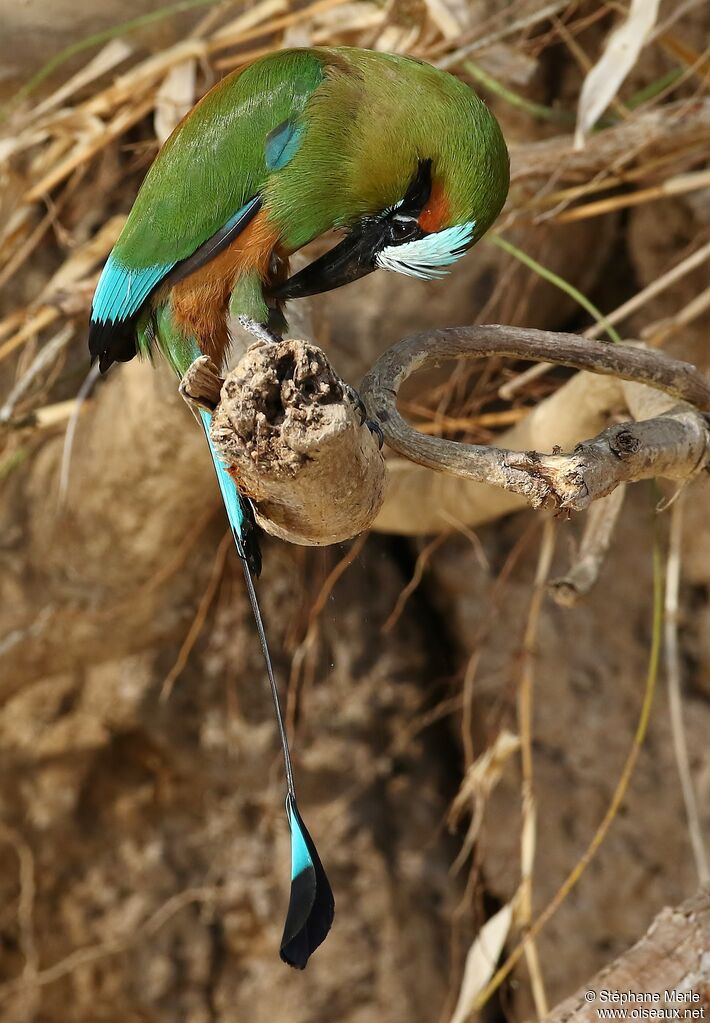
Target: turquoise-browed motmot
column 403, row 158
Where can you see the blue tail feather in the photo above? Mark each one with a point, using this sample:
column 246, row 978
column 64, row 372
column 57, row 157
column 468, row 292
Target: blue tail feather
column 239, row 510
column 230, row 495
column 300, row 856
column 122, row 290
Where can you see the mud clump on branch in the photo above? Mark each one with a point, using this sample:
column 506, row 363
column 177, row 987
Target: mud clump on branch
column 291, row 432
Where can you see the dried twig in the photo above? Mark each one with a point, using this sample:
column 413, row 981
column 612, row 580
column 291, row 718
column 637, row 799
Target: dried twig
column 675, row 444
column 675, row 699
column 284, row 402
column 598, row 532
column 528, row 830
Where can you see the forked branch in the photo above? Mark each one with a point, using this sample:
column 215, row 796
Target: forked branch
column 674, row 444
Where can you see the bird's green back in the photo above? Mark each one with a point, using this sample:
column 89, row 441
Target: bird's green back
column 215, row 160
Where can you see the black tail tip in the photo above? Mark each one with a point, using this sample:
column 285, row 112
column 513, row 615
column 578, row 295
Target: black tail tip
column 311, row 911
column 311, row 907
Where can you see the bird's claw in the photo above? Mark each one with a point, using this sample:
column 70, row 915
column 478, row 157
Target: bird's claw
column 376, row 431
column 373, row 426
column 357, row 402
column 360, row 408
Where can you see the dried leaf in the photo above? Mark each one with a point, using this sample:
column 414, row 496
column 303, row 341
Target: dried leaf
column 621, row 53
column 479, row 781
column 481, row 961
column 484, row 773
column 174, row 98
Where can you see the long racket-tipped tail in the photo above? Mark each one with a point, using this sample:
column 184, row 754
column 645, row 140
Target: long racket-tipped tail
column 311, row 906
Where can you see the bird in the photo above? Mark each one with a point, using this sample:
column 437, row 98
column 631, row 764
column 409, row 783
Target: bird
column 401, row 158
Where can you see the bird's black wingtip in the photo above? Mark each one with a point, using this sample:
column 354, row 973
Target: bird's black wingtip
column 112, row 342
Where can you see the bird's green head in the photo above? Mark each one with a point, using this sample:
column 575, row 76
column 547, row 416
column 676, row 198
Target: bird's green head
column 416, row 172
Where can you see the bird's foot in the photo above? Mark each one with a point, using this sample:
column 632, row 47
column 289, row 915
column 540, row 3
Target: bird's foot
column 357, row 401
column 259, row 331
column 373, row 426
column 376, row 431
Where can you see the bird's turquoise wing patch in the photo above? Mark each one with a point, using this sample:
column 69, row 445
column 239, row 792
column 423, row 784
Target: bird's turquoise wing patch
column 282, row 144
column 121, row 291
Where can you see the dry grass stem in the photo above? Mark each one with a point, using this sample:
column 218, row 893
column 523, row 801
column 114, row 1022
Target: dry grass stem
column 524, row 899
column 200, row 616
column 419, row 567
column 509, row 389
column 675, row 698
column 303, row 660
column 616, row 801
column 677, row 185
column 93, row 953
column 658, row 333
column 599, row 528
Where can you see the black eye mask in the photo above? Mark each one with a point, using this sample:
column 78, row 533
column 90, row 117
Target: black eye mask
column 355, row 256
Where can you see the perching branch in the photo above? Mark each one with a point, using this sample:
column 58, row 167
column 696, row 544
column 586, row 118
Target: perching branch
column 290, row 430
column 675, row 444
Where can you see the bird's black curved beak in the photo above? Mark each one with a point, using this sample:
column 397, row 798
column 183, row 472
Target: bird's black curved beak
column 350, row 259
